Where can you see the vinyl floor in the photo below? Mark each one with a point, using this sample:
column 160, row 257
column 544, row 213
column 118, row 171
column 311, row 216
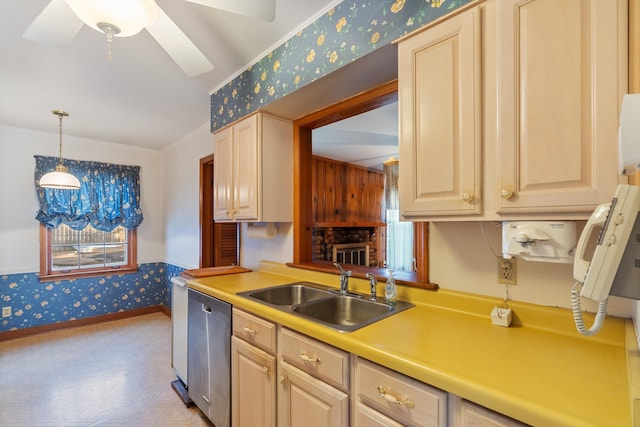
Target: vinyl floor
column 115, row 373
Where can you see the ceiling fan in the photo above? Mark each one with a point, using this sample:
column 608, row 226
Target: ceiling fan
column 61, row 20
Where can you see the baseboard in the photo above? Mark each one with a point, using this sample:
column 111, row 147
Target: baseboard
column 20, row 333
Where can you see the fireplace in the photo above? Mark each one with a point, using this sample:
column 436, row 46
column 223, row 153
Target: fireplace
column 349, row 245
column 351, row 253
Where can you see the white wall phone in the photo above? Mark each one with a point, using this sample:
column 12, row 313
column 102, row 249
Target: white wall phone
column 614, row 258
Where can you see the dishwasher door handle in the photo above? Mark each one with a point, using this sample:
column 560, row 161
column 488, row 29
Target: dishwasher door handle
column 206, row 309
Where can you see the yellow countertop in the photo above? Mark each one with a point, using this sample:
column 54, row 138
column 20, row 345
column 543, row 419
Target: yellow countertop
column 539, row 370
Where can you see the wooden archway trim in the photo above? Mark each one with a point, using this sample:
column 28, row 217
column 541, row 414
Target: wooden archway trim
column 302, row 152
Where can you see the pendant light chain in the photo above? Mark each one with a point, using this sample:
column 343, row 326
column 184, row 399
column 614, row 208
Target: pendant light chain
column 109, row 30
column 60, row 115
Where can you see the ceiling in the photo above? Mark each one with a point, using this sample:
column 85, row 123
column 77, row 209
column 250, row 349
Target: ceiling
column 366, row 140
column 140, row 97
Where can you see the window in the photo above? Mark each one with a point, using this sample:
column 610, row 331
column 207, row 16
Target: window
column 90, row 231
column 66, row 252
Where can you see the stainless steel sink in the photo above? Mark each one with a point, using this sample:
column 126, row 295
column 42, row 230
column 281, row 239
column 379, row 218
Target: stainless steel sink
column 289, row 295
column 326, row 306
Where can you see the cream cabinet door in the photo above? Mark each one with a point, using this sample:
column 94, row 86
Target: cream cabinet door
column 463, row 413
column 223, row 176
column 247, row 169
column 562, row 72
column 439, row 90
column 306, row 401
column 253, row 386
column 367, row 417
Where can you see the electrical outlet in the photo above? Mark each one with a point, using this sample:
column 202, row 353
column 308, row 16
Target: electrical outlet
column 507, row 272
column 6, row 311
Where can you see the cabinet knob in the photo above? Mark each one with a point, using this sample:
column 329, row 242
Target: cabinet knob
column 467, row 197
column 265, row 371
column 506, row 194
column 282, row 379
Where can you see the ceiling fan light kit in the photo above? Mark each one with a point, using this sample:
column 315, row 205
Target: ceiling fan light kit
column 60, row 178
column 61, row 20
column 129, row 17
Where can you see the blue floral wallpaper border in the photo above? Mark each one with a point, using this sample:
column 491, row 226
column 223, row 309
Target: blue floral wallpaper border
column 36, row 303
column 345, row 33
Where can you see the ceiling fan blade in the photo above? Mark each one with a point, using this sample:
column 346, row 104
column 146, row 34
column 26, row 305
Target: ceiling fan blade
column 261, row 9
column 56, row 25
column 179, row 47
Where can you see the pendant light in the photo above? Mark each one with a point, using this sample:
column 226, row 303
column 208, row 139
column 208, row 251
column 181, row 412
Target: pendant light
column 60, row 178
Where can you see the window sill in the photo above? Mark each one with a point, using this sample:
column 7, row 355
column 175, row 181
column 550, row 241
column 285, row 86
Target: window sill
column 359, row 271
column 87, row 273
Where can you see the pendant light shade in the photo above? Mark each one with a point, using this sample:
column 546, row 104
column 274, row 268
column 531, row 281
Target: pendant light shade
column 60, row 178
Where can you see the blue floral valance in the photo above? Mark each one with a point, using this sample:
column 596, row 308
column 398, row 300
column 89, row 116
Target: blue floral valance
column 109, row 196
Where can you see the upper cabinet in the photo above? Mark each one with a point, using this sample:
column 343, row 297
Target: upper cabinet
column 439, row 104
column 562, row 73
column 253, row 170
column 509, row 110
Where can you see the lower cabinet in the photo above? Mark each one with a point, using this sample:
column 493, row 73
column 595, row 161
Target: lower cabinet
column 313, row 384
column 304, row 400
column 463, row 413
column 366, row 416
column 283, row 378
column 393, row 395
column 253, row 371
column 253, row 395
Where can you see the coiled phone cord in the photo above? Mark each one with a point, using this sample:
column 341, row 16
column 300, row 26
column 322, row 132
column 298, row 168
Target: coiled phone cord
column 577, row 313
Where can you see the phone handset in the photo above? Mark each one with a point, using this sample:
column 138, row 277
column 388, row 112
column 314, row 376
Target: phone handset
column 617, row 221
column 597, row 223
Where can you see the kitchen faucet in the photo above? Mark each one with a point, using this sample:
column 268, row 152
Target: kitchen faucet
column 373, row 282
column 344, row 278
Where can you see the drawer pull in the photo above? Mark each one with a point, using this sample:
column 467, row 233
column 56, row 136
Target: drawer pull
column 306, row 358
column 392, row 399
column 250, row 331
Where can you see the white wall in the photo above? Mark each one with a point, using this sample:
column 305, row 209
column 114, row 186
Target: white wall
column 182, row 197
column 182, row 209
column 460, row 259
column 19, row 231
column 278, row 249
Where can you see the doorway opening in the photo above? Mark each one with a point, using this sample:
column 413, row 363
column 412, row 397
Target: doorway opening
column 218, row 240
column 303, row 223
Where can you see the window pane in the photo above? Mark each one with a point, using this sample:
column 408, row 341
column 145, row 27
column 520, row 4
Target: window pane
column 88, row 248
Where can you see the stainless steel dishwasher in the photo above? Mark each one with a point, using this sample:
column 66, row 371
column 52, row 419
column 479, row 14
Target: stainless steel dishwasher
column 209, row 357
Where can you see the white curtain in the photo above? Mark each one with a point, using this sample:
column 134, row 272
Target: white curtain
column 399, row 234
column 399, row 242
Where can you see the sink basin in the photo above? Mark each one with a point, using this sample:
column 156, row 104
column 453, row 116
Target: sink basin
column 344, row 312
column 347, row 313
column 288, row 295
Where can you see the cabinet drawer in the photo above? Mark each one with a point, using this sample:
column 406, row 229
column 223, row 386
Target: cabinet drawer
column 318, row 359
column 404, row 399
column 254, row 330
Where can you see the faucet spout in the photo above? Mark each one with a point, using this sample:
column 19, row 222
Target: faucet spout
column 373, row 282
column 344, row 278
